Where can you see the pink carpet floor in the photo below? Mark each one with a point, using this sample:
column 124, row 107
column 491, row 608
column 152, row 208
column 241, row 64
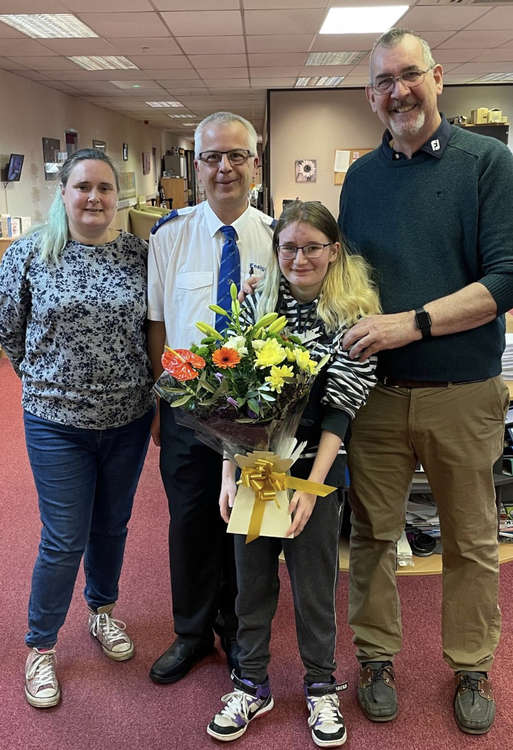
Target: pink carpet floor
column 109, row 705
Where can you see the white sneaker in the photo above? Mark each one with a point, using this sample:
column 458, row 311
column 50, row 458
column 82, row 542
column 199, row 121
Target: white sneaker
column 110, row 633
column 41, row 685
column 325, row 719
column 245, row 703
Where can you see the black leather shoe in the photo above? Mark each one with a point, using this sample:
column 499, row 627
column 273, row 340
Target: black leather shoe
column 232, row 650
column 377, row 694
column 474, row 706
column 179, row 658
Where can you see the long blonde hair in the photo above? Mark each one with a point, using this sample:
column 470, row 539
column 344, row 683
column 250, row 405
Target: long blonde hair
column 347, row 291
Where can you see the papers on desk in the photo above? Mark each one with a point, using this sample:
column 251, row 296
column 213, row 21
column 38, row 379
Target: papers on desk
column 422, row 514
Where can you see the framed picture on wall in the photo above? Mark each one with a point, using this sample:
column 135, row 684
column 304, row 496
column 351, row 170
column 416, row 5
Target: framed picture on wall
column 51, row 150
column 306, row 170
column 100, row 145
column 125, row 152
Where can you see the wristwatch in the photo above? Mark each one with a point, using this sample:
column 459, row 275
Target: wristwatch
column 423, row 322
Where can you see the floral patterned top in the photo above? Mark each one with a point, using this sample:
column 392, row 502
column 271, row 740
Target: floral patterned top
column 75, row 331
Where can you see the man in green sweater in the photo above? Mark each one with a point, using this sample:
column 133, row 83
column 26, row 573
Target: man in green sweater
column 432, row 210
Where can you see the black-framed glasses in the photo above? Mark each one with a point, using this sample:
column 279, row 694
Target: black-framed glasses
column 410, row 78
column 235, row 156
column 312, row 250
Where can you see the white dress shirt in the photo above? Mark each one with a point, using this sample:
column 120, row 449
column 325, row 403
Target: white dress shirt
column 183, row 266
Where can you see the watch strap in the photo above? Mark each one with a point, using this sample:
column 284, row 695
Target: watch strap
column 423, row 322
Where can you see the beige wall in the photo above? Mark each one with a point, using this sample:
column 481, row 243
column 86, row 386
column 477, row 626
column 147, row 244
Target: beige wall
column 313, row 124
column 31, row 111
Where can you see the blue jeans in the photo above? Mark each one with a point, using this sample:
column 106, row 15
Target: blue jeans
column 86, row 482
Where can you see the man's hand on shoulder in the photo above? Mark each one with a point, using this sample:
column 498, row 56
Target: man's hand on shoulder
column 248, row 287
column 378, row 332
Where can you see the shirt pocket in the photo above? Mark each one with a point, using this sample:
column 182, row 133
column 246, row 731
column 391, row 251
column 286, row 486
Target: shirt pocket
column 193, row 280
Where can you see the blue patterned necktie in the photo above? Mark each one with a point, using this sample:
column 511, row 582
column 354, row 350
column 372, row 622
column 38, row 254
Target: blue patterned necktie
column 229, row 271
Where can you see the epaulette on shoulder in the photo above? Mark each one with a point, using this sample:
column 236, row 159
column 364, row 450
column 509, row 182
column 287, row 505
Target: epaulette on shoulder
column 163, row 220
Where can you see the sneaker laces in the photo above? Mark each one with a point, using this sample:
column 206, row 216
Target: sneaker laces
column 42, row 670
column 325, row 710
column 238, row 704
column 109, row 628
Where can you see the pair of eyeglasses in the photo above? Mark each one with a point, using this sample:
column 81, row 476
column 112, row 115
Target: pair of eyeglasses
column 410, row 78
column 235, row 156
column 313, row 250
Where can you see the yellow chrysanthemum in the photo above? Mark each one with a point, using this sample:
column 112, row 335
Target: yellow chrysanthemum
column 277, row 377
column 291, row 356
column 304, row 362
column 270, row 354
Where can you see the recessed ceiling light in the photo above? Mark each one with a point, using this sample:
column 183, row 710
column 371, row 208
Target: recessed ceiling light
column 190, row 124
column 48, row 25
column 165, row 104
column 111, row 62
column 335, row 58
column 177, row 117
column 329, row 80
column 367, row 20
column 301, row 82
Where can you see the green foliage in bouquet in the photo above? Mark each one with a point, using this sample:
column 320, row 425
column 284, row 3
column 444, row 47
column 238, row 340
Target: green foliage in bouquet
column 250, row 373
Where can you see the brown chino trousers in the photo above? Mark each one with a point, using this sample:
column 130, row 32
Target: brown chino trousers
column 457, row 433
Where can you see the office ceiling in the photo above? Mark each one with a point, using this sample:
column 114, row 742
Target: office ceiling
column 224, row 54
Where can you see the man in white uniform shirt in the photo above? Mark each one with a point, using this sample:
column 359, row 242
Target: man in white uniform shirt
column 183, row 270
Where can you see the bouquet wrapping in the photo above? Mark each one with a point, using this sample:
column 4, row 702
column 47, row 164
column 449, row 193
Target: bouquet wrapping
column 243, row 393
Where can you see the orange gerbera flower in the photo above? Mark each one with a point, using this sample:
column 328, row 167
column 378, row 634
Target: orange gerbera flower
column 181, row 363
column 225, row 357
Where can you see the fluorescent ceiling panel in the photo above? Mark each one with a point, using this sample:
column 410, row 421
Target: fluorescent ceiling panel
column 110, row 62
column 367, row 20
column 496, row 77
column 165, row 104
column 178, row 117
column 329, row 80
column 48, row 26
column 335, row 58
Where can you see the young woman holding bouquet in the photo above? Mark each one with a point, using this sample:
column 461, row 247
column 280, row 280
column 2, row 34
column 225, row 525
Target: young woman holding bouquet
column 322, row 290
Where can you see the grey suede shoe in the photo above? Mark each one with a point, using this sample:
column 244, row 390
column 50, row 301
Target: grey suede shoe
column 474, row 706
column 377, row 694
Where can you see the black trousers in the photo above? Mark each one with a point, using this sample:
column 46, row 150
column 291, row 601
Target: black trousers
column 203, row 582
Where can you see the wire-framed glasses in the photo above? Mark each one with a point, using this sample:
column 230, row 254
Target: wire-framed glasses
column 410, row 78
column 312, row 250
column 235, row 156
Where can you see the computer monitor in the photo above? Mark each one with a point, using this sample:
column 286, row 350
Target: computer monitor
column 14, row 167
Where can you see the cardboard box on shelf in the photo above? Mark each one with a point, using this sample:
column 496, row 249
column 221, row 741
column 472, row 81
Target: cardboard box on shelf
column 479, row 116
column 494, row 115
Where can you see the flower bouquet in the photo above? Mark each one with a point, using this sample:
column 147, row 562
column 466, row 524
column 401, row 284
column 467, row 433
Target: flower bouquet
column 243, row 392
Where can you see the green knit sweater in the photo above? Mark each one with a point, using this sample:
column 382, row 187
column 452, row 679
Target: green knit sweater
column 430, row 226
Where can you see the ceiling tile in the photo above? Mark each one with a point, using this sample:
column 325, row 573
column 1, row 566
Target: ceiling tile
column 161, row 62
column 32, row 6
column 204, row 23
column 220, row 73
column 478, row 68
column 45, row 63
column 125, row 24
column 502, row 54
column 211, row 45
column 289, row 4
column 495, row 19
column 218, row 61
column 113, row 6
column 426, row 18
column 88, row 46
column 477, row 39
column 280, row 43
column 191, row 5
column 444, row 56
column 23, row 46
column 275, row 21
column 277, row 58
column 145, row 46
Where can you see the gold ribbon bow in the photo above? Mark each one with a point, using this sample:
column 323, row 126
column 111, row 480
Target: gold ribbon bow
column 266, row 483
